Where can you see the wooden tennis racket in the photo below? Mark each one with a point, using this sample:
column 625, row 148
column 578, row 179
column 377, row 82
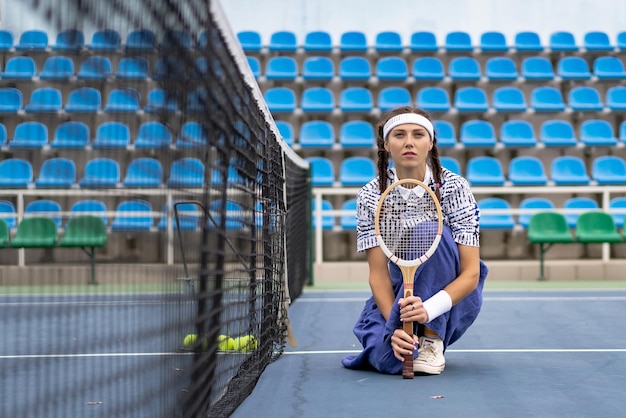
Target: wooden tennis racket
column 408, row 228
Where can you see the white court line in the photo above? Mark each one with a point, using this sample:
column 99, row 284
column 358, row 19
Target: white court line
column 480, row 351
column 95, row 355
column 488, row 298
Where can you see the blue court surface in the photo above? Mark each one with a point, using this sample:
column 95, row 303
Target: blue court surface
column 531, row 353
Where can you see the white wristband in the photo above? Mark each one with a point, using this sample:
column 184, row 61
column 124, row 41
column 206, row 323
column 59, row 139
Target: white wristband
column 437, row 305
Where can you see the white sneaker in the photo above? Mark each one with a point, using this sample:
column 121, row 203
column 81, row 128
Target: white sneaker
column 430, row 358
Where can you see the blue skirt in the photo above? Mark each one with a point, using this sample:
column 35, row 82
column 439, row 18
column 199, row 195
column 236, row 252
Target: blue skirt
column 374, row 332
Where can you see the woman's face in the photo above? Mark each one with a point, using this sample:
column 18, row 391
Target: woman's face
column 408, row 145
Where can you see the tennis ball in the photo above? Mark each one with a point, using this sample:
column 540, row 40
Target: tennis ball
column 190, row 340
column 225, row 343
column 245, row 343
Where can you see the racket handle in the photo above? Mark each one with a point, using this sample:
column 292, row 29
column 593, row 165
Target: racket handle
column 407, row 367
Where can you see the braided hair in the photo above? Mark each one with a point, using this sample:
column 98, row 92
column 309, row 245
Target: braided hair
column 383, row 155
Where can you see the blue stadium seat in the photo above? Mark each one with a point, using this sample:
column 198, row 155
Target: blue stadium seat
column 7, row 40
column 96, row 67
column 509, row 99
column 100, row 173
column 423, row 41
column 534, row 204
column 353, row 41
column 458, row 41
column 57, row 173
column 70, row 134
column 493, row 41
column 597, row 41
column 517, row 133
column 495, row 221
column 3, row 135
column 356, row 171
column 235, row 219
column 32, row 40
column 328, row 221
column 357, row 134
column 558, row 133
column 597, row 132
column 281, row 68
column 141, row 40
column 537, row 69
column 568, row 170
column 90, row 206
column 616, row 98
column 15, row 173
column 280, row 99
column 172, row 67
column 46, row 208
column 428, row 68
column 608, row 169
column 445, row 133
column 471, row 99
column 71, row 40
column 132, row 68
column 144, row 172
column 175, row 39
column 356, row 99
column 318, row 69
column 8, row 213
column 526, row 170
column 153, row 134
column 283, row 41
column 451, row 164
column 127, row 216
column 501, row 69
column 84, row 100
column 317, row 100
column 186, row 172
column 580, row 205
column 317, row 41
column 573, row 68
column 355, row 68
column 388, row 41
column 392, row 97
column 57, row 68
column 433, row 99
column 622, row 131
column 392, row 69
column 286, row 131
column 255, row 66
column 112, row 134
column 19, row 68
column 44, row 100
column 30, row 134
column 316, row 134
column 188, row 217
column 192, row 135
column 250, row 40
column 464, row 69
column 477, row 133
column 621, row 41
column 562, row 41
column 348, row 222
column 608, row 68
column 322, row 171
column 158, row 101
column 105, row 40
column 547, row 99
column 123, row 100
column 584, row 99
column 198, row 101
column 528, row 41
column 11, row 100
column 484, row 171
column 617, row 208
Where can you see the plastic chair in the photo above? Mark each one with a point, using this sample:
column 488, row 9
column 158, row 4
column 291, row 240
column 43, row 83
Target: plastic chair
column 7, row 40
column 579, row 204
column 57, row 173
column 44, row 100
column 617, row 207
column 317, row 41
column 198, row 101
column 100, row 173
column 458, row 41
column 464, row 69
column 567, row 170
column 280, row 99
column 124, row 222
column 484, row 171
column 193, row 135
column 84, row 100
column 15, row 173
column 428, row 68
column 546, row 229
column 46, row 208
column 356, row 171
column 96, row 67
column 3, row 135
column 509, row 99
column 141, row 40
column 585, row 99
column 573, row 68
column 328, row 221
column 159, row 101
column 105, row 40
column 517, row 133
column 286, row 132
column 317, row 100
column 153, row 134
column 546, row 99
column 5, row 234
column 392, row 97
column 316, row 134
column 527, row 41
column 318, row 69
column 281, row 68
column 596, row 227
column 451, row 164
column 537, row 69
column 423, row 41
column 562, row 41
column 88, row 233
column 356, row 99
column 132, row 68
column 433, row 99
column 388, row 41
column 445, row 133
column 493, row 41
column 188, row 217
column 89, row 207
column 250, row 40
column 123, row 100
column 608, row 68
column 597, row 132
column 35, row 232
column 597, row 41
column 348, row 222
column 143, row 172
column 355, row 69
column 234, row 219
column 174, row 40
column 609, row 169
column 353, row 41
column 283, row 41
column 186, row 172
column 471, row 99
column 391, row 69
column 29, row 135
column 557, row 133
column 357, row 134
column 622, row 131
column 32, row 40
column 495, row 221
column 527, row 170
column 534, row 204
column 11, row 100
column 72, row 40
column 19, row 68
column 478, row 133
column 255, row 66
column 8, row 214
column 501, row 69
column 322, row 171
column 172, row 67
column 57, row 68
column 112, row 135
column 616, row 98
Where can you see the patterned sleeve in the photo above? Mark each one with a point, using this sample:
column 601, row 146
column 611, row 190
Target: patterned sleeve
column 460, row 210
column 366, row 202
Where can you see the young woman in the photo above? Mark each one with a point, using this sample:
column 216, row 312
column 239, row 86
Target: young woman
column 448, row 287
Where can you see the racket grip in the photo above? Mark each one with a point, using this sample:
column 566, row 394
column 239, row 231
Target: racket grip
column 407, row 367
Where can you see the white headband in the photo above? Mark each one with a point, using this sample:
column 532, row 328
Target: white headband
column 409, row 118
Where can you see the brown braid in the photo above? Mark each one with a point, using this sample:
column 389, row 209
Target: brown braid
column 383, row 155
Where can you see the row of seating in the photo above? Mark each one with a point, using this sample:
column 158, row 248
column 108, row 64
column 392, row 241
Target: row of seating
column 484, row 170
column 110, row 134
column 432, row 69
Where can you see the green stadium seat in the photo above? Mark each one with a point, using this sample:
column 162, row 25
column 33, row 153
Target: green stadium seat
column 87, row 232
column 36, row 232
column 596, row 227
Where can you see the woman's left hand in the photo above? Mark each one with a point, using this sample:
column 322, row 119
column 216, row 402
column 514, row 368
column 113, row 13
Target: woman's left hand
column 412, row 310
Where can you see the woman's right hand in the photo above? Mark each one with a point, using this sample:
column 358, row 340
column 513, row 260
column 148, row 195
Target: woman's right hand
column 403, row 343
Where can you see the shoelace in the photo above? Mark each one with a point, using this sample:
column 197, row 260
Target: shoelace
column 428, row 353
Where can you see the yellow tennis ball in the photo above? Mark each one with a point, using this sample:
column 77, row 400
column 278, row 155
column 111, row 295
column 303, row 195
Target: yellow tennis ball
column 245, row 343
column 190, row 340
column 225, row 343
